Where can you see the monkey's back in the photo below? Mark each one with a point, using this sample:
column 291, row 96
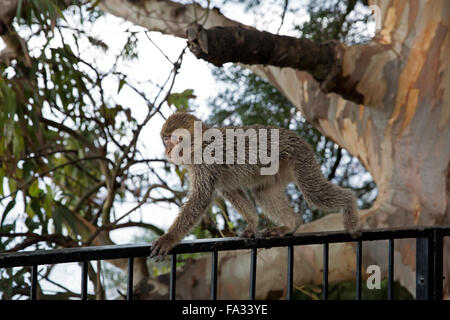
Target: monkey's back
column 290, row 144
column 246, row 171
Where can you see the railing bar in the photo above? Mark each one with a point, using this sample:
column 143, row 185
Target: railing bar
column 33, row 288
column 358, row 269
column 253, row 273
column 290, row 273
column 391, row 270
column 214, row 275
column 325, row 272
column 438, row 264
column 173, row 276
column 67, row 255
column 130, row 278
column 84, row 278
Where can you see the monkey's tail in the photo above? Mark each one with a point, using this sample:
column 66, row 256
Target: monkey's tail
column 321, row 193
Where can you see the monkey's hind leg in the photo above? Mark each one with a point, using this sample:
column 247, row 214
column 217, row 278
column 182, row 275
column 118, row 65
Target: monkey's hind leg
column 321, row 193
column 243, row 205
column 275, row 205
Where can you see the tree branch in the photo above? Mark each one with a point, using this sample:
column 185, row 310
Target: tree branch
column 333, row 169
column 33, row 238
column 70, row 131
column 323, row 61
column 166, row 16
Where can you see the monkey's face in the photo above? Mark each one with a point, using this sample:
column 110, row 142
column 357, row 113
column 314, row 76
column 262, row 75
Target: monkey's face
column 177, row 133
column 170, row 141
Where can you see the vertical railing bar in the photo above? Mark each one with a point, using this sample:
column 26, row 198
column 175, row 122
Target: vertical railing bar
column 213, row 293
column 33, row 288
column 358, row 269
column 425, row 267
column 290, row 273
column 84, row 278
column 438, row 264
column 325, row 272
column 422, row 268
column 130, row 278
column 253, row 274
column 391, row 270
column 173, row 276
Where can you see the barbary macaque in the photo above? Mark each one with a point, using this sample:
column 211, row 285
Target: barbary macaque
column 261, row 159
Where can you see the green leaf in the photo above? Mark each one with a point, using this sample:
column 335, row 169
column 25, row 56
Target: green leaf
column 34, row 190
column 8, row 208
column 95, row 4
column 2, row 176
column 19, row 9
column 58, row 11
column 26, row 170
column 48, row 202
column 62, row 215
column 181, row 100
column 121, row 83
column 12, row 184
column 18, row 144
column 58, row 220
column 98, row 43
column 7, row 228
column 29, row 210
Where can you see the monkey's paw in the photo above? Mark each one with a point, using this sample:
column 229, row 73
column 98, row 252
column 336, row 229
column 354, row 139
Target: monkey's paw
column 162, row 246
column 355, row 232
column 274, row 232
column 353, row 227
column 247, row 233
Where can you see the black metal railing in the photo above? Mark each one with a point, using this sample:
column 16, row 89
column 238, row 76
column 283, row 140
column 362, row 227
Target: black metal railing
column 429, row 258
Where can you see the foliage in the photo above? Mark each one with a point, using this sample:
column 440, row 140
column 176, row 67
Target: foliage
column 345, row 21
column 70, row 151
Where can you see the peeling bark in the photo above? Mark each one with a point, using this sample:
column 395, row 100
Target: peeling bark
column 166, row 16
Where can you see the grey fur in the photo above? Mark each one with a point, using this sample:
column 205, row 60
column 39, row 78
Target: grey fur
column 297, row 164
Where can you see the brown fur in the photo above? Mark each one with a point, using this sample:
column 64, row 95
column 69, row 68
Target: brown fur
column 296, row 164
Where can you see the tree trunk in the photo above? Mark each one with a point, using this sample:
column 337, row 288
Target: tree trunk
column 386, row 102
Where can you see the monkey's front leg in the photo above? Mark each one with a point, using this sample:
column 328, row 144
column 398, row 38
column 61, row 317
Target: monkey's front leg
column 198, row 201
column 187, row 218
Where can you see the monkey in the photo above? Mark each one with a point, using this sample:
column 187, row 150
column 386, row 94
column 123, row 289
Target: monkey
column 294, row 162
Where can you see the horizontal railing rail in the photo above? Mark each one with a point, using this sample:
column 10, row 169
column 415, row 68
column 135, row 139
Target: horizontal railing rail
column 429, row 257
column 29, row 258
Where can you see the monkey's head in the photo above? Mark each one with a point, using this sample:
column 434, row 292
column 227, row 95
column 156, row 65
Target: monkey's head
column 170, row 133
